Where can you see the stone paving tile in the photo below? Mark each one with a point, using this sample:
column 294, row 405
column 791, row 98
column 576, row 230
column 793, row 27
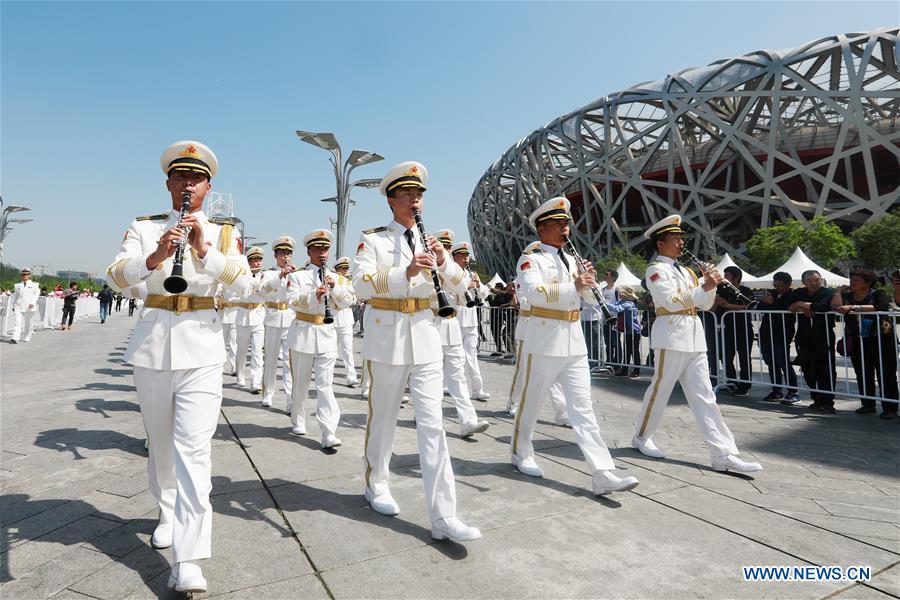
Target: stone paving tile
column 306, row 587
column 129, row 572
column 56, row 575
column 888, row 581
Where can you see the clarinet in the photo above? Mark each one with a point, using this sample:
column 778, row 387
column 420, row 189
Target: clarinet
column 176, row 283
column 444, row 308
column 598, row 296
column 472, row 298
column 328, row 318
column 706, row 268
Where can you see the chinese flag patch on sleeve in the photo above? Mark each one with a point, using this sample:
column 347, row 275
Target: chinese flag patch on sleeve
column 654, row 277
column 525, row 265
column 360, row 248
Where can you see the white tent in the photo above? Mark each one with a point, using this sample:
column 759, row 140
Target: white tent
column 795, row 266
column 747, row 279
column 495, row 280
column 626, row 277
column 727, row 261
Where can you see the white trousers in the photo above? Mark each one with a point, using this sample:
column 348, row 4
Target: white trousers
column 328, row 413
column 180, row 411
column 455, row 380
column 560, row 415
column 276, row 346
column 473, row 371
column 229, row 333
column 364, row 378
column 345, row 351
column 251, row 336
column 572, row 373
column 23, row 320
column 691, row 370
column 386, row 383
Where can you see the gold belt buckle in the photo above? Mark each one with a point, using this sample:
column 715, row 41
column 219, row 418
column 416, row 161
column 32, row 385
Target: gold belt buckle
column 182, row 304
column 408, row 305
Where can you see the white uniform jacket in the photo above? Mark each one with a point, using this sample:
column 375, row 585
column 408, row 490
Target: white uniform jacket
column 163, row 339
column 344, row 316
column 677, row 290
column 544, row 282
column 276, row 289
column 246, row 317
column 25, row 296
column 398, row 338
column 468, row 317
column 307, row 337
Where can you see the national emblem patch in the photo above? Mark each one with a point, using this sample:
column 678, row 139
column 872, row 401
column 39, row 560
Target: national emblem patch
column 525, row 265
column 654, row 277
column 360, row 248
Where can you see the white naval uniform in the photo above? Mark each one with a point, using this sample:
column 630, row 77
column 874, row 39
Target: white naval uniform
column 229, row 332
column 554, row 350
column 277, row 322
column 401, row 347
column 468, row 325
column 455, row 360
column 250, row 333
column 177, row 359
column 24, row 303
column 343, row 324
column 680, row 346
column 314, row 346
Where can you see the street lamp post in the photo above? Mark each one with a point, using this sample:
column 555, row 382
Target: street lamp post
column 5, row 221
column 327, row 141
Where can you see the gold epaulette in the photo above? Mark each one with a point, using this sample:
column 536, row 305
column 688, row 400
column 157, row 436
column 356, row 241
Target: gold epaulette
column 374, row 230
column 159, row 217
column 224, row 220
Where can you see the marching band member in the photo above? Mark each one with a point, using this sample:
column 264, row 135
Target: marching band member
column 468, row 325
column 278, row 320
column 343, row 324
column 394, row 271
column 24, row 303
column 554, row 348
column 677, row 337
column 315, row 293
column 454, row 355
column 228, row 311
column 177, row 352
column 251, row 314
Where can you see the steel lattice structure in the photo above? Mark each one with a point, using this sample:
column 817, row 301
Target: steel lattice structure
column 732, row 147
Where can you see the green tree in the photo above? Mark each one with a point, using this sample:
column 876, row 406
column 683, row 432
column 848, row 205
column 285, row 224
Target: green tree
column 822, row 241
column 635, row 263
column 878, row 242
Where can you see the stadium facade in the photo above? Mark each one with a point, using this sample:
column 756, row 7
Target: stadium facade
column 734, row 146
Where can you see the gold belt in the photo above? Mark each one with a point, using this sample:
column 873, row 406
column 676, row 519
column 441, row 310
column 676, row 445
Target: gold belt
column 180, row 303
column 277, row 305
column 559, row 315
column 662, row 312
column 247, row 305
column 403, row 305
column 314, row 319
column 525, row 313
column 435, row 313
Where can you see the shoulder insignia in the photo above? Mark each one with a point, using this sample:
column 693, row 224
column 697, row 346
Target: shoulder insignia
column 159, row 217
column 374, row 230
column 225, row 237
column 223, row 220
column 654, row 277
column 360, row 248
column 525, row 266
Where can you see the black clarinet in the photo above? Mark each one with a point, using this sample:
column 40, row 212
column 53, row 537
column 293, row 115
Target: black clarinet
column 598, row 296
column 444, row 308
column 176, row 283
column 328, row 318
column 706, row 267
column 472, row 297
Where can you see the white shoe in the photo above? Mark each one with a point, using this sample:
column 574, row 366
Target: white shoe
column 266, row 401
column 732, row 463
column 606, row 482
column 28, row 339
column 647, row 447
column 330, row 441
column 187, row 578
column 364, row 392
column 298, row 430
column 241, row 382
column 382, row 503
column 453, row 529
column 527, row 466
column 352, row 384
column 162, row 536
column 469, row 430
column 481, row 395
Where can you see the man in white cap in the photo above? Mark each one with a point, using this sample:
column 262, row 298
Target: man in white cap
column 454, row 356
column 24, row 303
column 316, row 293
column 343, row 324
column 468, row 324
column 554, row 348
column 394, row 272
column 678, row 339
column 249, row 322
column 177, row 352
column 278, row 320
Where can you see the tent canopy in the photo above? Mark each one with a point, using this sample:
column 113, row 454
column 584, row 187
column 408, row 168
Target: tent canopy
column 626, row 277
column 495, row 280
column 795, row 266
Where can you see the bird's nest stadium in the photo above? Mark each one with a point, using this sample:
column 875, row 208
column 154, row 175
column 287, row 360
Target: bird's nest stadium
column 732, row 147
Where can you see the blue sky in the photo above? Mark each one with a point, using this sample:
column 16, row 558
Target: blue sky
column 92, row 92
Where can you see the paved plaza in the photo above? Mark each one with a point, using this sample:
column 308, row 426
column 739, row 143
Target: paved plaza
column 291, row 522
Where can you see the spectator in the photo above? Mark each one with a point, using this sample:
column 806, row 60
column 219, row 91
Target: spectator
column 69, row 297
column 868, row 342
column 776, row 332
column 132, row 304
column 44, row 290
column 610, row 335
column 815, row 339
column 895, row 281
column 737, row 329
column 106, row 298
column 628, row 324
column 58, row 290
column 500, row 299
column 118, row 302
column 649, row 308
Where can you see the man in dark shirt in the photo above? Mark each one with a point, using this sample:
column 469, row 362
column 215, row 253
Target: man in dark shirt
column 776, row 331
column 815, row 339
column 500, row 299
column 106, row 298
column 69, row 298
column 737, row 329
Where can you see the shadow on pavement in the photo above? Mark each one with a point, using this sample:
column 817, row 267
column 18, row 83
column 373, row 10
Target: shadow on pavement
column 73, row 440
column 101, row 406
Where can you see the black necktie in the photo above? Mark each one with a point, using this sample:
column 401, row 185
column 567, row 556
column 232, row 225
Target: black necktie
column 677, row 266
column 565, row 260
column 408, row 234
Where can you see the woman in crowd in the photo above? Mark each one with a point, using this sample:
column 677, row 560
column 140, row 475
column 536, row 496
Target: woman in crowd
column 628, row 324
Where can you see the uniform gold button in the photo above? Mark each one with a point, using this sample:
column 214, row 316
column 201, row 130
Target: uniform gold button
column 377, row 321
